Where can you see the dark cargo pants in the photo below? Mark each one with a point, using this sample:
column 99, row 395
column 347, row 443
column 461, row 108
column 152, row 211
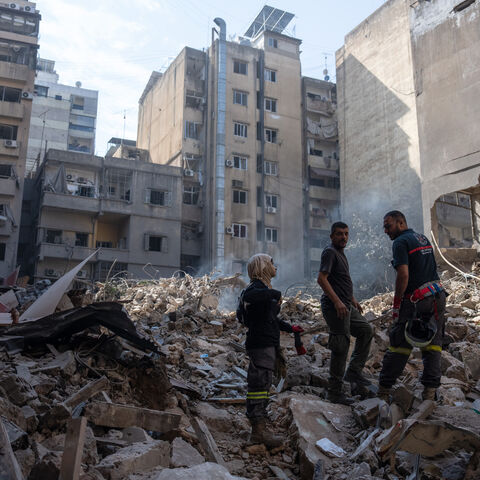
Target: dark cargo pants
column 259, row 380
column 339, row 342
column 397, row 354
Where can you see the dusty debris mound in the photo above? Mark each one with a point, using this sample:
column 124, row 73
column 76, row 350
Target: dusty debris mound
column 147, row 380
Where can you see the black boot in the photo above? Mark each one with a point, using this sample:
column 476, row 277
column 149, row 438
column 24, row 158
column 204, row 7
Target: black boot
column 339, row 397
column 260, row 434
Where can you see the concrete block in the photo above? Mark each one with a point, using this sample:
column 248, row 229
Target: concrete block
column 184, row 455
column 135, row 435
column 205, row 471
column 366, row 411
column 403, row 397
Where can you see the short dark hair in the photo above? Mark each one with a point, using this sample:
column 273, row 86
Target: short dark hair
column 337, row 225
column 396, row 214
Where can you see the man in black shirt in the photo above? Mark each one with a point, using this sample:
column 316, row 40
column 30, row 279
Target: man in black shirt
column 343, row 316
column 419, row 302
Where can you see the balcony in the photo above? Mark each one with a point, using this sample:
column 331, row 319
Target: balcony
column 70, row 202
column 320, row 106
column 12, row 109
column 14, row 71
column 323, row 162
column 8, row 186
column 51, row 250
column 324, row 193
column 77, row 133
column 9, row 151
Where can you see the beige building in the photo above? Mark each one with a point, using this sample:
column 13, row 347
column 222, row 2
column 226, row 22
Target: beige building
column 122, row 204
column 19, row 23
column 408, row 110
column 231, row 118
column 322, row 197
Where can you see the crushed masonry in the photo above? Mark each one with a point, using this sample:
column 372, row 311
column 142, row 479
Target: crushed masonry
column 146, row 380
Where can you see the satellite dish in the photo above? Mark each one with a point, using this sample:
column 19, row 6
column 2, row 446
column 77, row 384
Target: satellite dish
column 326, row 78
column 78, row 84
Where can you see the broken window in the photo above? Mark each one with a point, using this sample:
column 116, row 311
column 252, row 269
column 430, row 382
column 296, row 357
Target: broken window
column 240, row 67
column 78, row 103
column 158, row 197
column 270, row 75
column 240, row 129
column 118, row 184
column 192, row 130
column 239, row 230
column 81, row 239
column 191, row 194
column 8, row 132
column 239, row 162
column 270, row 135
column 53, row 236
column 271, row 235
column 6, row 171
column 240, row 98
column 8, row 94
column 155, row 243
column 240, row 196
column 192, row 162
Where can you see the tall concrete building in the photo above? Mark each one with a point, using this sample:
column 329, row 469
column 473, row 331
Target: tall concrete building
column 19, row 24
column 408, row 88
column 231, row 118
column 122, row 204
column 63, row 116
column 320, row 159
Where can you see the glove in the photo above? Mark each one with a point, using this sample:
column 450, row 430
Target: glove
column 396, row 308
column 297, row 329
column 301, row 350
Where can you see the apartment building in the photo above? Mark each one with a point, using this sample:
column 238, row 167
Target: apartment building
column 231, row 119
column 19, row 25
column 63, row 116
column 320, row 138
column 122, row 204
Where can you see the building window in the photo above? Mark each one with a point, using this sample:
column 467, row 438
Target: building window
column 53, row 236
column 3, row 248
column 192, row 130
column 240, row 129
column 270, row 135
column 8, row 132
column 191, row 193
column 271, row 201
column 18, row 53
column 118, row 184
column 271, row 235
column 78, row 103
column 85, row 191
column 81, row 122
column 270, row 75
column 272, row 42
column 108, row 268
column 270, row 105
column 6, row 171
column 240, row 196
column 81, row 239
column 8, row 94
column 158, row 197
column 240, row 98
column 239, row 162
column 239, row 230
column 11, row 22
column 155, row 243
column 104, row 244
column 240, row 67
column 270, row 168
column 40, row 91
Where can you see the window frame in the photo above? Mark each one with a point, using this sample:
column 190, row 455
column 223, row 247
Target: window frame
column 193, row 191
column 238, row 229
column 192, row 128
column 167, row 195
column 271, row 135
column 272, row 42
column 271, row 232
column 239, row 196
column 271, row 166
column 273, row 104
column 271, row 199
column 242, row 96
column 240, row 63
column 240, row 162
column 238, row 128
column 270, row 75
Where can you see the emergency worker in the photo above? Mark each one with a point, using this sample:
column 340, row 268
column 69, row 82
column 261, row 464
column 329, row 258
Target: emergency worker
column 342, row 313
column 259, row 305
column 418, row 308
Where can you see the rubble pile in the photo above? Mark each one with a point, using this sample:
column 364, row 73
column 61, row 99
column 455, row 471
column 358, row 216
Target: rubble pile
column 146, row 380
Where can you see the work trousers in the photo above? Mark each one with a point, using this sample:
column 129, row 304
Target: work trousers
column 259, row 380
column 399, row 350
column 339, row 342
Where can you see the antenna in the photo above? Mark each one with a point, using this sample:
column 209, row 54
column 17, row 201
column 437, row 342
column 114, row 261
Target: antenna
column 325, row 71
column 124, row 122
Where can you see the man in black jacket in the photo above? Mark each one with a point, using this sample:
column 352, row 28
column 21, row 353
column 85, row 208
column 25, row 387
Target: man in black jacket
column 258, row 309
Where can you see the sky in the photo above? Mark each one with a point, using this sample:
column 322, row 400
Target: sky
column 113, row 45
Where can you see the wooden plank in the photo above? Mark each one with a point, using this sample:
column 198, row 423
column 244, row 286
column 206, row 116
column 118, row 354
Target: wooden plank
column 73, row 450
column 86, row 392
column 206, row 441
column 106, row 397
column 9, row 468
column 122, row 416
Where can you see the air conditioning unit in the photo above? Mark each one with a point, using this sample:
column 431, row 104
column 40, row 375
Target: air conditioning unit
column 51, row 272
column 81, row 180
column 69, row 176
column 188, row 173
column 27, row 95
column 229, row 163
column 229, row 230
column 271, row 210
column 10, row 143
column 28, row 8
column 14, row 6
column 82, row 274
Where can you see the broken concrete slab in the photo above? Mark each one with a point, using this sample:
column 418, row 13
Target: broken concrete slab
column 135, row 458
column 18, row 438
column 403, row 397
column 88, row 391
column 366, row 411
column 123, row 416
column 18, row 390
column 184, row 455
column 135, row 435
column 9, row 467
column 217, row 419
column 205, row 471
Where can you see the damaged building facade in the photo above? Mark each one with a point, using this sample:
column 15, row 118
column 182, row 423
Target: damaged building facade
column 231, row 118
column 19, row 24
column 408, row 88
column 122, row 204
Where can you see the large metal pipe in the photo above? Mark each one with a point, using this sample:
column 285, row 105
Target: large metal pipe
column 220, row 145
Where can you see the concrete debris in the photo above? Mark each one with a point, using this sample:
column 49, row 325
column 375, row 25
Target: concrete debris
column 157, row 371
